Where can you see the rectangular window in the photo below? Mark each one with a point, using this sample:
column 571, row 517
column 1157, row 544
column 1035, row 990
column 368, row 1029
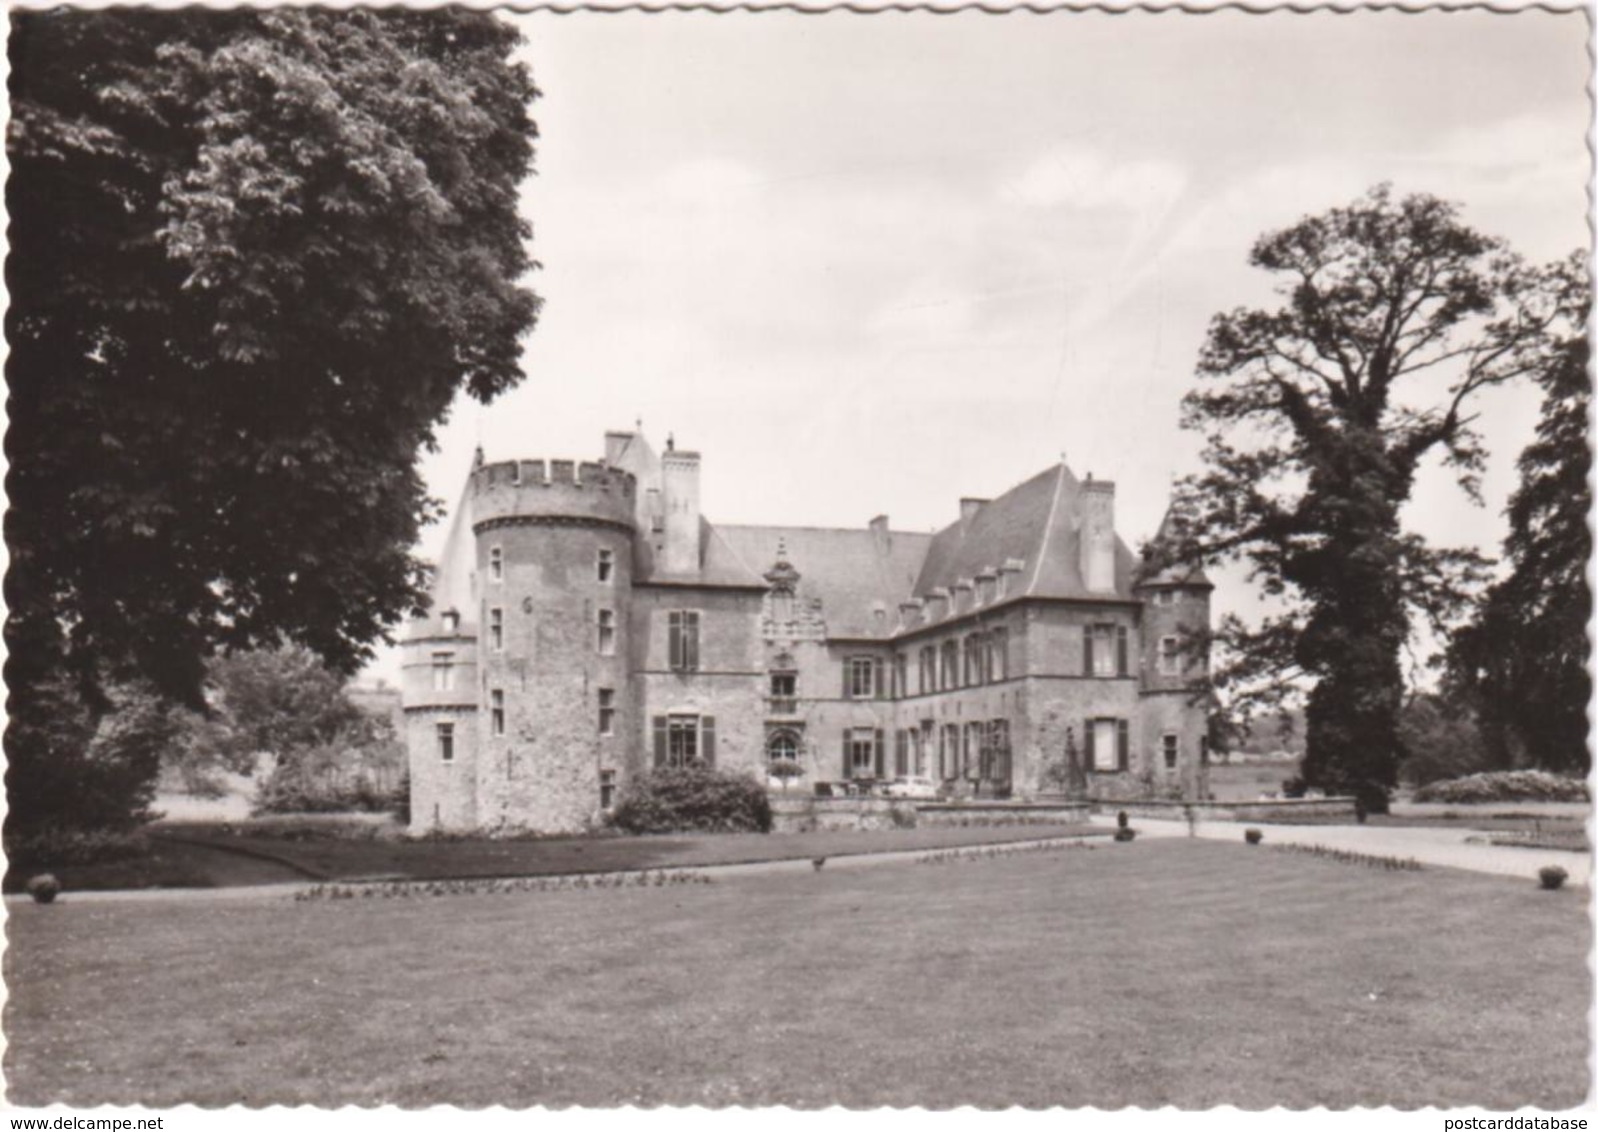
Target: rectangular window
column 607, row 632
column 446, row 742
column 862, row 744
column 973, row 660
column 1170, row 657
column 496, row 629
column 1168, row 745
column 901, row 675
column 901, row 753
column 1104, row 650
column 997, row 764
column 998, row 658
column 607, row 711
column 951, row 665
column 949, row 751
column 682, row 740
column 927, row 659
column 496, row 564
column 682, row 643
column 606, row 565
column 972, row 761
column 1165, row 597
column 859, row 673
column 923, row 746
column 1108, row 744
column 784, row 693
column 443, row 671
column 496, row 712
column 607, row 789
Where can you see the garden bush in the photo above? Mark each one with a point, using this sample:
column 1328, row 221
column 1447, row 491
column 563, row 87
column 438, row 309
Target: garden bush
column 56, row 847
column 1253, row 836
column 287, row 790
column 1506, row 786
column 43, row 888
column 692, row 798
column 1552, row 876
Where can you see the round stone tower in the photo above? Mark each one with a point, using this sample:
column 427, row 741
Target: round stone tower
column 554, row 546
column 1174, row 671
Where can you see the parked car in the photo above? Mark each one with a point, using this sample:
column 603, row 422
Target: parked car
column 912, row 786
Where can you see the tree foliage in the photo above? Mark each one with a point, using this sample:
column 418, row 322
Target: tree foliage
column 1523, row 659
column 254, row 255
column 1318, row 415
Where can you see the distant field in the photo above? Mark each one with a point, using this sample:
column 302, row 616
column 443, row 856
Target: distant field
column 1177, row 972
column 1241, row 781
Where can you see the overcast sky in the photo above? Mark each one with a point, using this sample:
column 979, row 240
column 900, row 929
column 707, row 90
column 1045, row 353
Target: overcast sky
column 869, row 264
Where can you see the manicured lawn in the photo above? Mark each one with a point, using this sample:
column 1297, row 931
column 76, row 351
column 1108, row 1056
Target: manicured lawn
column 1166, row 972
column 331, row 858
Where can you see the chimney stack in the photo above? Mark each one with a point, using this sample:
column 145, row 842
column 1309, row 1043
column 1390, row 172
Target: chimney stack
column 679, row 474
column 1097, row 536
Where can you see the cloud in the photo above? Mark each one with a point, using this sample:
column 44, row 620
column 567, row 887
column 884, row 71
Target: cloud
column 1083, row 178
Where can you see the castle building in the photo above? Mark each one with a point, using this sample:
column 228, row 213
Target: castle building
column 588, row 623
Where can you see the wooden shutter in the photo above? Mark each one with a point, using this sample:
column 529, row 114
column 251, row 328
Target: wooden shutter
column 1123, row 743
column 878, row 753
column 674, row 641
column 707, row 739
column 847, row 768
column 1087, row 650
column 660, row 740
column 690, row 638
column 1120, row 650
column 1087, row 745
column 848, row 665
column 877, row 678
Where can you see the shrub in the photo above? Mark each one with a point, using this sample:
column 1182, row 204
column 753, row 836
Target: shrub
column 695, row 797
column 56, row 847
column 290, row 790
column 1552, row 876
column 1294, row 787
column 1124, row 833
column 1253, row 836
column 44, row 888
column 1505, row 786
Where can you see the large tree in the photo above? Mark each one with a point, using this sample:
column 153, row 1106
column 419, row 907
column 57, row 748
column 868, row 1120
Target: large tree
column 254, row 255
column 1523, row 661
column 1319, row 413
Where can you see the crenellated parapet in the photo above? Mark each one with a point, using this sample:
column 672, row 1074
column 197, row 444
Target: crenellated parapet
column 555, row 492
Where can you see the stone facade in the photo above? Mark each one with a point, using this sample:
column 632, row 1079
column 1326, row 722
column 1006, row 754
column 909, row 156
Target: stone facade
column 588, row 623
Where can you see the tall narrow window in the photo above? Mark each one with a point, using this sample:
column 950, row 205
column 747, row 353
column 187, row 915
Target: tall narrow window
column 683, row 640
column 927, row 677
column 496, row 564
column 1168, row 746
column 998, row 655
column 951, row 665
column 1104, row 650
column 901, row 674
column 1170, row 657
column 1108, row 745
column 443, row 671
column 496, row 629
column 606, row 565
column 607, row 711
column 496, row 711
column 973, row 660
column 446, row 741
column 607, row 632
column 607, row 789
column 784, row 693
column 858, row 683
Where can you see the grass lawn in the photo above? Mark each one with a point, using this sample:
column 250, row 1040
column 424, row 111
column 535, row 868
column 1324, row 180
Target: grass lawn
column 330, row 858
column 1164, row 972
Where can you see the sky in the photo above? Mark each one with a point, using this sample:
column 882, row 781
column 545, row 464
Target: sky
column 868, row 264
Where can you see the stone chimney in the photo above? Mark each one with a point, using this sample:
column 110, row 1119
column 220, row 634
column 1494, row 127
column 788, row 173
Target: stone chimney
column 879, row 525
column 1097, row 536
column 969, row 506
column 679, row 474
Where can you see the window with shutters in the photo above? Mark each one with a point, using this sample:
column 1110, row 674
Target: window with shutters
column 862, row 747
column 998, row 658
column 496, row 629
column 445, row 733
column 682, row 740
column 1168, row 746
column 606, row 566
column 607, row 632
column 860, row 685
column 443, row 671
column 682, row 644
column 1170, row 657
column 1104, row 650
column 996, row 764
column 607, row 711
column 496, row 564
column 496, row 712
column 1108, row 744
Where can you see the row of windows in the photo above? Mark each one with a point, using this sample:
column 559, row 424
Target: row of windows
column 604, row 565
column 683, row 643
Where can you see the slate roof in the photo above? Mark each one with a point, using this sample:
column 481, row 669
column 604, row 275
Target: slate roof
column 1036, row 522
column 719, row 563
column 850, row 570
